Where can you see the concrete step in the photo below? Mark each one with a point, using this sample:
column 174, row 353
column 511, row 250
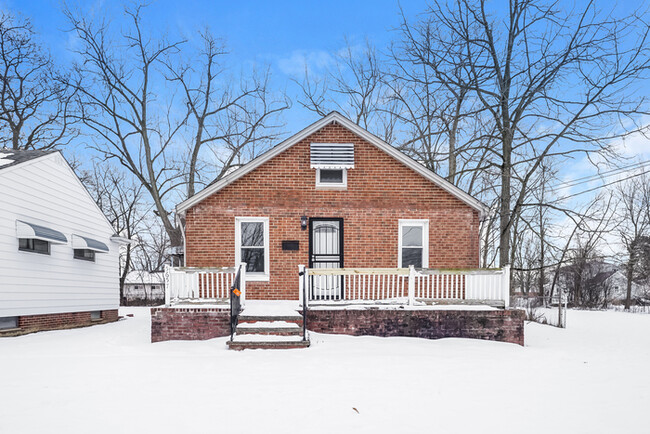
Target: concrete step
column 258, row 341
column 294, row 319
column 279, row 328
column 267, row 345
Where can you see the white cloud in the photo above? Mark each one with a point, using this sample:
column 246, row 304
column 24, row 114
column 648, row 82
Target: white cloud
column 314, row 61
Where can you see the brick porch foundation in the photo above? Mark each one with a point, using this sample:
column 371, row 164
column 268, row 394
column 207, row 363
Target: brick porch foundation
column 189, row 323
column 494, row 325
column 57, row 321
column 198, row 323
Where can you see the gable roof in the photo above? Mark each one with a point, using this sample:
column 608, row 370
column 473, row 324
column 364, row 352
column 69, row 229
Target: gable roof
column 311, row 129
column 18, row 157
column 13, row 157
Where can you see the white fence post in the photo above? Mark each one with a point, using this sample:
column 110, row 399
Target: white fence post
column 411, row 294
column 242, row 284
column 168, row 286
column 506, row 286
column 301, row 283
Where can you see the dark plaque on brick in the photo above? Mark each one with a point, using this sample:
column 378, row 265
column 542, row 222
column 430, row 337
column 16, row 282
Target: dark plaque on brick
column 290, row 245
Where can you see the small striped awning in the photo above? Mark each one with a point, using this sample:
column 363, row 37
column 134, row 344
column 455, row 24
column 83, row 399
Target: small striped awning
column 34, row 231
column 332, row 155
column 79, row 242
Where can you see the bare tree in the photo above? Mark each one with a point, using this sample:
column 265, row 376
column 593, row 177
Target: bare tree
column 226, row 118
column 355, row 87
column 121, row 108
column 634, row 231
column 443, row 119
column 591, row 225
column 153, row 247
column 550, row 83
column 127, row 89
column 35, row 102
column 121, row 201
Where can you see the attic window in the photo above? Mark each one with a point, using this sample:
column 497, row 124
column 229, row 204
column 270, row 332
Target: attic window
column 331, row 178
column 332, row 156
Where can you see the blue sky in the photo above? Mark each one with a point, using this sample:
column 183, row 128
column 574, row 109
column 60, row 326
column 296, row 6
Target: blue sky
column 280, row 34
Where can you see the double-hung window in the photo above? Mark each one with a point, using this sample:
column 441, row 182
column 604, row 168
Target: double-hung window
column 413, row 243
column 252, row 246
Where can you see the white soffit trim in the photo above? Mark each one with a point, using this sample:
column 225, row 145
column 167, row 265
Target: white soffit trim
column 354, row 128
column 122, row 240
column 79, row 242
column 34, row 231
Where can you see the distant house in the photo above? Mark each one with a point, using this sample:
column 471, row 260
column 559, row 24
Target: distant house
column 58, row 253
column 144, row 288
column 599, row 283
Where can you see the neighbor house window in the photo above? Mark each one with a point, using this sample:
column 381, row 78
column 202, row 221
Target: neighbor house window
column 413, row 243
column 34, row 245
column 84, row 254
column 331, row 178
column 252, row 246
column 8, row 322
column 96, row 315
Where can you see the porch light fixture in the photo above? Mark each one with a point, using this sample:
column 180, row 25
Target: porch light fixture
column 303, row 222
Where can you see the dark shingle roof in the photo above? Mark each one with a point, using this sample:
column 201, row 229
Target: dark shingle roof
column 13, row 157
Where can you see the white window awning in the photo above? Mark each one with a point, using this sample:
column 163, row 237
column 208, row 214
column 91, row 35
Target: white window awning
column 34, row 231
column 332, row 155
column 79, row 242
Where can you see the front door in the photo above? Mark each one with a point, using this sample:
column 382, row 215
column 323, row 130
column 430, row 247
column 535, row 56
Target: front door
column 326, row 251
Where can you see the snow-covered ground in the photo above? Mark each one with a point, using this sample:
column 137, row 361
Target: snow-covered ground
column 593, row 377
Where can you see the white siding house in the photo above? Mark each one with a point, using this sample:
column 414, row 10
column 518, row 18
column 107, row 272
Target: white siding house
column 144, row 288
column 58, row 253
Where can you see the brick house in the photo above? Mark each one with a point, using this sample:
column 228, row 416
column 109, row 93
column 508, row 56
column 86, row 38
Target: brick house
column 332, row 193
column 363, row 223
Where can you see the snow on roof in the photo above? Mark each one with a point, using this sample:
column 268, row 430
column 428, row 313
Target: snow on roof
column 142, row 277
column 13, row 157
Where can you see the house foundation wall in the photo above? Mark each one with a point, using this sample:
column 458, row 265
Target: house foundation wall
column 494, row 325
column 57, row 321
column 183, row 323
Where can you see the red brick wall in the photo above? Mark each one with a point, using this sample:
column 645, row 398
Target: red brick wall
column 55, row 321
column 494, row 325
column 177, row 323
column 380, row 191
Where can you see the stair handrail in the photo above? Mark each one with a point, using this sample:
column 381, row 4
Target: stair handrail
column 236, row 294
column 302, row 273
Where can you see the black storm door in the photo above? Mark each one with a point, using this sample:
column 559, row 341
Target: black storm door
column 326, row 251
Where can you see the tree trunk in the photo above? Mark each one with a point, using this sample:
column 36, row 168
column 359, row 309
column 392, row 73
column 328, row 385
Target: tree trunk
column 125, row 271
column 505, row 218
column 628, row 274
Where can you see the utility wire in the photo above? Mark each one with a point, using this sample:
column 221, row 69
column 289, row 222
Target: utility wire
column 600, row 186
column 606, row 174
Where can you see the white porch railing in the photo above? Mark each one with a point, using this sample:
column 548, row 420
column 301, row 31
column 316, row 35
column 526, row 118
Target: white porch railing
column 490, row 286
column 199, row 284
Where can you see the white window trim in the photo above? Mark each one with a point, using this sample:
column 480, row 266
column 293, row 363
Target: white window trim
column 343, row 184
column 253, row 277
column 425, row 240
